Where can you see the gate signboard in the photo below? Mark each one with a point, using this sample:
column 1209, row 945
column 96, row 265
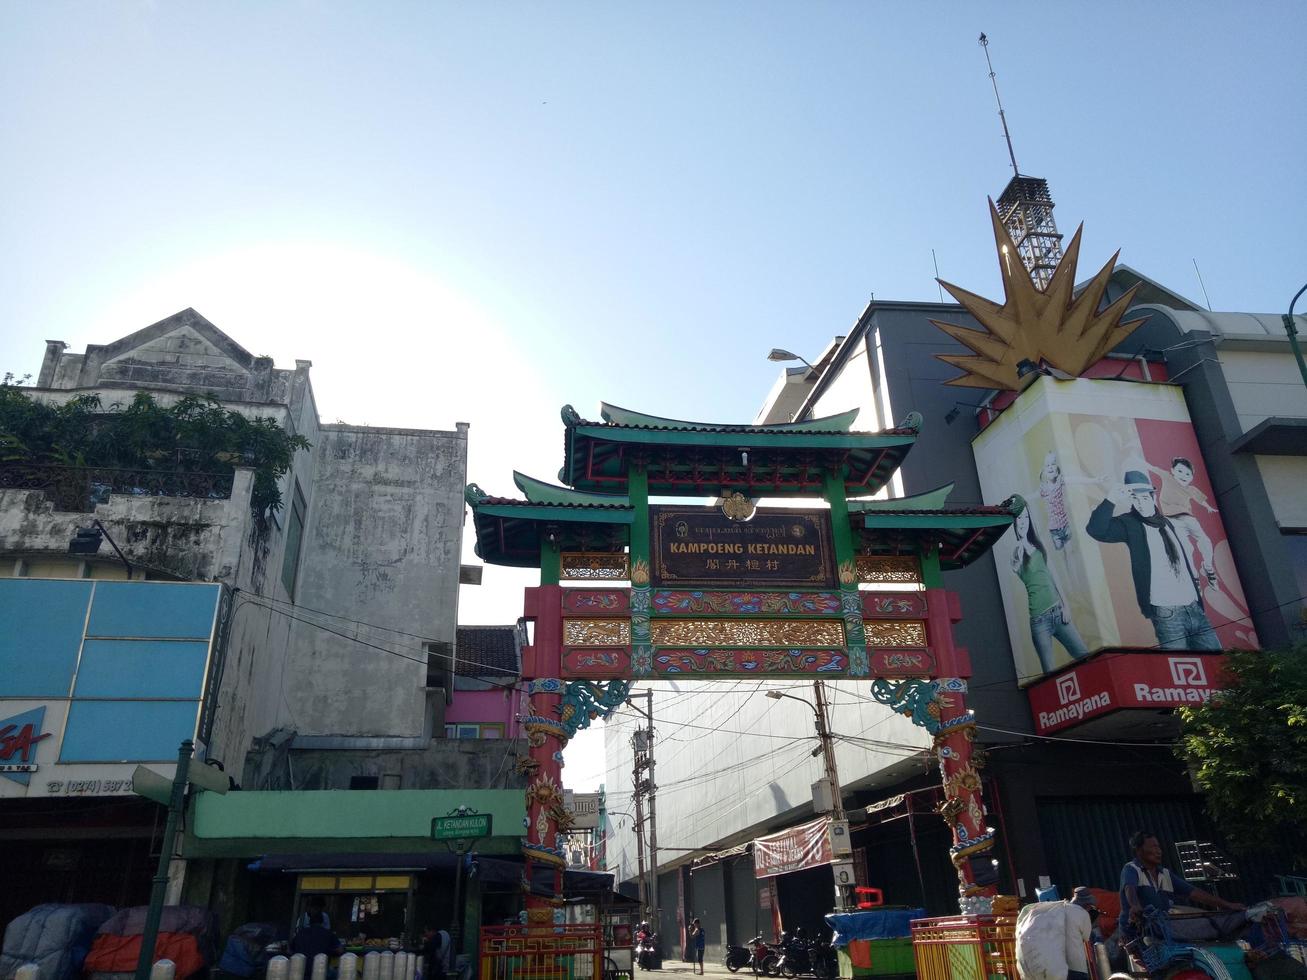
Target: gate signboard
column 781, row 548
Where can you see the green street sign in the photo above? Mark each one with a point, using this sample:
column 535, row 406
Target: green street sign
column 466, row 827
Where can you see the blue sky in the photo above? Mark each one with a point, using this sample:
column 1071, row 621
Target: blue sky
column 479, row 211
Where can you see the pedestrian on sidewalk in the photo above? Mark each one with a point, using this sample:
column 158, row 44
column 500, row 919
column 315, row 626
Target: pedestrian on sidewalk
column 697, row 939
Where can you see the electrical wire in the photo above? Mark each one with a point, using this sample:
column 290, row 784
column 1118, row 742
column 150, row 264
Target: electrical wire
column 724, row 731
column 249, row 600
column 453, row 658
column 1080, row 741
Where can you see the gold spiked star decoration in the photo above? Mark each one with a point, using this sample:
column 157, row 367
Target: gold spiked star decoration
column 1049, row 327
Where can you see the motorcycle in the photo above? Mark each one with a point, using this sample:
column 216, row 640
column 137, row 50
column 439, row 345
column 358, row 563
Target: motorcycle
column 800, row 955
column 794, row 954
column 763, row 958
column 737, row 957
column 648, row 950
column 825, row 962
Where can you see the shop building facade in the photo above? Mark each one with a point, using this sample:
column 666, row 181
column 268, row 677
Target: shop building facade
column 328, row 660
column 1063, row 793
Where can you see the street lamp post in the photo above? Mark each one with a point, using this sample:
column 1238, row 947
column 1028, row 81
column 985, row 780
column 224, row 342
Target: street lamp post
column 780, row 354
column 828, row 757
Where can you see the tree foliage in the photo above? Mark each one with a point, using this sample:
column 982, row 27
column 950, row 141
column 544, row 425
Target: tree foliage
column 1247, row 747
column 194, row 435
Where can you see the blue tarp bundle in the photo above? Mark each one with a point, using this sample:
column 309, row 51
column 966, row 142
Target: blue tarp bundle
column 874, row 924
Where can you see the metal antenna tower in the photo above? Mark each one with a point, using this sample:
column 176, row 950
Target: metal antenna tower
column 1026, row 207
column 984, row 43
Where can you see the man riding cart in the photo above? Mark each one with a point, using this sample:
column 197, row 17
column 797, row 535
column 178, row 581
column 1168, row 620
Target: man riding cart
column 1155, row 937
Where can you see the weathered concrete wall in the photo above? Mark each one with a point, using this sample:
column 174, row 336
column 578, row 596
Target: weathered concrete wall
column 382, row 547
column 381, row 544
column 442, row 764
column 180, row 537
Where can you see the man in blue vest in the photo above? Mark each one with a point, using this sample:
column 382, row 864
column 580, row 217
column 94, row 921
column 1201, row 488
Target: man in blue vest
column 1146, row 884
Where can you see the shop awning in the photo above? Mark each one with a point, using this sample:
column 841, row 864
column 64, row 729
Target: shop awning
column 332, row 822
column 491, row 870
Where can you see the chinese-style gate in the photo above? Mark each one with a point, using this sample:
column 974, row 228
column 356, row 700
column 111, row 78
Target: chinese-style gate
column 730, row 591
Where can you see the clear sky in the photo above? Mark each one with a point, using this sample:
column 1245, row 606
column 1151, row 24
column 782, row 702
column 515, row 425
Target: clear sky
column 480, row 211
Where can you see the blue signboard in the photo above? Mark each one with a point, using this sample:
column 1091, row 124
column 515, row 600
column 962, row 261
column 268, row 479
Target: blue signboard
column 129, row 658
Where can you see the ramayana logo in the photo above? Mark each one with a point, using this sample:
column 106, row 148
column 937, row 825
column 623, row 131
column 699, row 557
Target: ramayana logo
column 1074, row 707
column 1188, row 670
column 1189, row 677
column 1068, row 688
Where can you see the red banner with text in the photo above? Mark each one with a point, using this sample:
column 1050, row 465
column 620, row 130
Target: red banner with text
column 804, row 846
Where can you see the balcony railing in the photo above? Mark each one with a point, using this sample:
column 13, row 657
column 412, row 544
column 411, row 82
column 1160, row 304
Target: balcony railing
column 80, row 488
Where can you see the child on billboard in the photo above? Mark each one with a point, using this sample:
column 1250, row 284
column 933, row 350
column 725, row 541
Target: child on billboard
column 1177, row 500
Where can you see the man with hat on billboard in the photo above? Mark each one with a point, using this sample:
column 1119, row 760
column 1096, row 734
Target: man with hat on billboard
column 1166, row 584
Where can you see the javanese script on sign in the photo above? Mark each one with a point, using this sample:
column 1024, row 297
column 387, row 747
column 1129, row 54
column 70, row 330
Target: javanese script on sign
column 776, row 548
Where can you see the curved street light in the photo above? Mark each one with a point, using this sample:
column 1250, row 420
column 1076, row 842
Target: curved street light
column 1292, row 331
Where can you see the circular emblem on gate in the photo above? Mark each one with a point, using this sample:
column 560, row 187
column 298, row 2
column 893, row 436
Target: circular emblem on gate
column 738, row 507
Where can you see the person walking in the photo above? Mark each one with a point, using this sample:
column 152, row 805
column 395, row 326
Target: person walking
column 697, row 943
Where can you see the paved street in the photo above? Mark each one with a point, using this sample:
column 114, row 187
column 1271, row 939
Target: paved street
column 678, row 968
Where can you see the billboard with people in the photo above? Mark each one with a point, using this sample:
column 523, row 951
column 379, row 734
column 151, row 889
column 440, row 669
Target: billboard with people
column 1120, row 542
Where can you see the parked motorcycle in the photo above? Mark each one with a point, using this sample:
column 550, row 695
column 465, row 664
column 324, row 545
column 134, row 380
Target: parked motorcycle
column 801, row 955
column 794, row 954
column 764, row 958
column 825, row 962
column 737, row 957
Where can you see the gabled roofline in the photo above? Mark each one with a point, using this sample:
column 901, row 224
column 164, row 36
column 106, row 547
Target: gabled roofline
column 188, row 317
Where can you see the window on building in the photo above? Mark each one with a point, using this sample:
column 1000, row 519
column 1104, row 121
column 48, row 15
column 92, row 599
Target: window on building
column 474, row 730
column 364, row 782
column 439, row 657
column 290, row 565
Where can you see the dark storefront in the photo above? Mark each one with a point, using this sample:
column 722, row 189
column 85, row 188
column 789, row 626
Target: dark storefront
column 81, row 850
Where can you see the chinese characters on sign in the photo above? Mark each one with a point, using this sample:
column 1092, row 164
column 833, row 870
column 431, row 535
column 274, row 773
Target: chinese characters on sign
column 778, row 548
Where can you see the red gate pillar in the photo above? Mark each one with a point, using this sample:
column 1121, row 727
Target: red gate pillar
column 556, row 710
column 547, row 820
column 939, row 705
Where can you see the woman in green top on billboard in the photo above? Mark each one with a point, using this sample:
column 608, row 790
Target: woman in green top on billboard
column 1049, row 618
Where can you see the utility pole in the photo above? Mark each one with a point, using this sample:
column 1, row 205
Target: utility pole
column 642, row 777
column 653, row 809
column 838, row 817
column 828, row 752
column 637, row 785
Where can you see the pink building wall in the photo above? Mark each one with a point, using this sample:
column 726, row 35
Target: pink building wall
column 485, row 707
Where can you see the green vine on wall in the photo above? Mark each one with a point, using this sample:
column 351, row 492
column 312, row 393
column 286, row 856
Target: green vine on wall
column 195, row 435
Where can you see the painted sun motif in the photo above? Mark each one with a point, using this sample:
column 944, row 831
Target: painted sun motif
column 1051, row 326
